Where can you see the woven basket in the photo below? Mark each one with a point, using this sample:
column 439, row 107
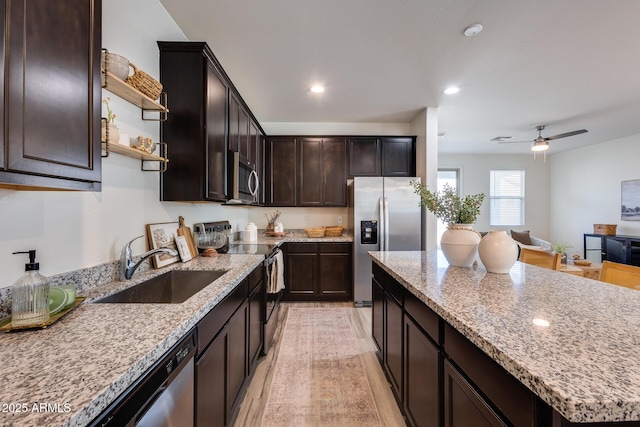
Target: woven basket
column 333, row 231
column 144, row 83
column 606, row 229
column 315, row 231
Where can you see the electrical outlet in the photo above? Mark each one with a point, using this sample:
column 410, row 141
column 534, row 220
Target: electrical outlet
column 339, row 219
column 306, row 220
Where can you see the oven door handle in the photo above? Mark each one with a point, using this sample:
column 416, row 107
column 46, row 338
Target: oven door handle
column 269, row 261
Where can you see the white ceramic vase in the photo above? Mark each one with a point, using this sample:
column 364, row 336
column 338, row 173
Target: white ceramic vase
column 459, row 245
column 498, row 251
column 114, row 133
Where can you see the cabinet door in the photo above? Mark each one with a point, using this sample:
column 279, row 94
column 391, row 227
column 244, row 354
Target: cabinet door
column 364, row 157
column 281, row 172
column 243, row 133
column 398, row 156
column 254, row 143
column 53, row 101
column 334, row 172
column 234, row 123
column 377, row 315
column 301, row 269
column 256, row 316
column 422, row 364
column 216, row 116
column 335, row 280
column 463, row 406
column 237, row 356
column 310, row 177
column 211, row 380
column 393, row 344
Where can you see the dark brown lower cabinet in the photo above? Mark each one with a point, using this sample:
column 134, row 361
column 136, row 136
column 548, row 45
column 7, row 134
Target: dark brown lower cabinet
column 463, row 406
column 211, row 381
column 423, row 364
column 236, row 358
column 377, row 315
column 318, row 272
column 393, row 345
column 255, row 330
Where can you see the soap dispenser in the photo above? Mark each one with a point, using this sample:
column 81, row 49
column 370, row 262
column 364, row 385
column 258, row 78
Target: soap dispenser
column 30, row 295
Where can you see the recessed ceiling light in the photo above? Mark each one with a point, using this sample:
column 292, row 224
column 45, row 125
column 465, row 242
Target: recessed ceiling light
column 317, row 89
column 472, row 30
column 541, row 322
column 451, row 90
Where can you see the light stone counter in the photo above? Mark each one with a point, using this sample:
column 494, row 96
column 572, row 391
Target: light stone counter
column 298, row 236
column 586, row 364
column 80, row 364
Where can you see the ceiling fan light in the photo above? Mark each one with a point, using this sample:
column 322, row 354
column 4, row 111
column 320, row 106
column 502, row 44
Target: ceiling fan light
column 540, row 146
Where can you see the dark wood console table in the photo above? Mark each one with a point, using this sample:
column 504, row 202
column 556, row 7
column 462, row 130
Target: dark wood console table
column 618, row 248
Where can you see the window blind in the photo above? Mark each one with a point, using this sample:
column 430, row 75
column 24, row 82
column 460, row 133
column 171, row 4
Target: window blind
column 506, row 197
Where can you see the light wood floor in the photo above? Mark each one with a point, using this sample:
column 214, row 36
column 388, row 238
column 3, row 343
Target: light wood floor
column 254, row 402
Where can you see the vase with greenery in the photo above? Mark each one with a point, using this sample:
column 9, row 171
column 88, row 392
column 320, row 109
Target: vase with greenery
column 561, row 248
column 459, row 243
column 110, row 132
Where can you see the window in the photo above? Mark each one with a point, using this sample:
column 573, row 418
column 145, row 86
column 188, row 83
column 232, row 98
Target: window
column 506, row 197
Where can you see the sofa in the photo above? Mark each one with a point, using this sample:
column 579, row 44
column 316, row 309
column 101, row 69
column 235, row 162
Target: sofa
column 525, row 240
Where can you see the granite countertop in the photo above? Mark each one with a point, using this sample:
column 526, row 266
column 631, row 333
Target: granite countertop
column 297, row 236
column 584, row 364
column 80, row 364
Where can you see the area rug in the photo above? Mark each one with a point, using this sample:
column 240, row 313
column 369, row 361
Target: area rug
column 319, row 379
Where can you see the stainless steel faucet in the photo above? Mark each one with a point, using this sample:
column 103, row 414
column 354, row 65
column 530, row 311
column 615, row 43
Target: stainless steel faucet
column 127, row 266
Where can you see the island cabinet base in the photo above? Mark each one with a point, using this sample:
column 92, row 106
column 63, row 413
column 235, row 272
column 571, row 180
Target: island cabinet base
column 439, row 377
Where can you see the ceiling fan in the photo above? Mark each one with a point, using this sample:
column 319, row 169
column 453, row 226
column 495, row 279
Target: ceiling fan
column 540, row 143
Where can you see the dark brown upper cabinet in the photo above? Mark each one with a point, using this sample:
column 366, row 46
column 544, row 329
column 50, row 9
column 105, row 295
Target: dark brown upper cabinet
column 280, row 173
column 51, row 106
column 197, row 129
column 382, row 156
column 322, row 172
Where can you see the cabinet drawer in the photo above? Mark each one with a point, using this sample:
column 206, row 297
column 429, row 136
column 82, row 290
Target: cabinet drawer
column 378, row 273
column 211, row 324
column 300, row 248
column 255, row 277
column 394, row 289
column 506, row 393
column 423, row 316
column 336, row 248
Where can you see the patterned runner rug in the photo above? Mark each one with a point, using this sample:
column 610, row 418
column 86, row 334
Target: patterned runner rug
column 319, row 379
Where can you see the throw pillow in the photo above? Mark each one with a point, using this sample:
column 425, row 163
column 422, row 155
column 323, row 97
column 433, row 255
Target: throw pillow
column 522, row 237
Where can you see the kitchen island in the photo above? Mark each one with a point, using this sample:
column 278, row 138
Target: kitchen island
column 572, row 342
column 67, row 374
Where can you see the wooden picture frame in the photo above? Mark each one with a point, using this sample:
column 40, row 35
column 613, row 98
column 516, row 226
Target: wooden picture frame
column 162, row 235
column 630, row 200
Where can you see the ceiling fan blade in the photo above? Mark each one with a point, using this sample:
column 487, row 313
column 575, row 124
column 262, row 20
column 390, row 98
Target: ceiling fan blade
column 564, row 135
column 511, row 142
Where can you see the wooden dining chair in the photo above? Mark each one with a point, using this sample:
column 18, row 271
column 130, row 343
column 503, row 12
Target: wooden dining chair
column 540, row 258
column 620, row 274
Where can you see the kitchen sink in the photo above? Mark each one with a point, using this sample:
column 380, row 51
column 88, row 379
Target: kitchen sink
column 173, row 287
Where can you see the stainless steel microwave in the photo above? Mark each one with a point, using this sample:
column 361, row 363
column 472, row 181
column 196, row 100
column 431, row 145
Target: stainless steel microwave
column 243, row 180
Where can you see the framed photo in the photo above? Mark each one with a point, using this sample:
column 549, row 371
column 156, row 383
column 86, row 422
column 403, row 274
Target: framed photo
column 183, row 248
column 630, row 196
column 162, row 236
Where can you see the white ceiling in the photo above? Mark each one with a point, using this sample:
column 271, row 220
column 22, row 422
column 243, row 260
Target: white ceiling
column 567, row 64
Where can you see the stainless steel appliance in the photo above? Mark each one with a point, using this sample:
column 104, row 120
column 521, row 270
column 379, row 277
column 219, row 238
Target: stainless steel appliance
column 243, row 181
column 162, row 397
column 384, row 214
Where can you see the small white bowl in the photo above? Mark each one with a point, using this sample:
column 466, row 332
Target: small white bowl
column 118, row 65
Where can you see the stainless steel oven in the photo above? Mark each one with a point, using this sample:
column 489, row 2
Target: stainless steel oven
column 243, row 181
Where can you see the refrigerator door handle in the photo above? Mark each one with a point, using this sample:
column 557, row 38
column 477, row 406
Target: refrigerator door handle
column 386, row 224
column 381, row 228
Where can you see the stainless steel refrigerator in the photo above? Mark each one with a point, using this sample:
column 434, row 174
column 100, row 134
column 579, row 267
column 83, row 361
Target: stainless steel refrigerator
column 384, row 214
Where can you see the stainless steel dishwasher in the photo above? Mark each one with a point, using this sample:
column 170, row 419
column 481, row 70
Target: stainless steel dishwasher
column 162, row 397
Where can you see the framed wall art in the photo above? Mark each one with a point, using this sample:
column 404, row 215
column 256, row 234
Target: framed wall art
column 163, row 236
column 630, row 197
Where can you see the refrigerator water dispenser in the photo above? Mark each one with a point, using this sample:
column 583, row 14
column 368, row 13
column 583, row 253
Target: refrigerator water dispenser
column 369, row 232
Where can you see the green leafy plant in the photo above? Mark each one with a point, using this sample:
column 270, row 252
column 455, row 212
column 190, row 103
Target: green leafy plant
column 448, row 206
column 561, row 247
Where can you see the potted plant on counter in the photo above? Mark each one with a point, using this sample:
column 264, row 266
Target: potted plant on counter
column 561, row 248
column 459, row 242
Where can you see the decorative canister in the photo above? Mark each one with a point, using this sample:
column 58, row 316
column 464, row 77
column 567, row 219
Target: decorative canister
column 113, row 134
column 459, row 245
column 498, row 251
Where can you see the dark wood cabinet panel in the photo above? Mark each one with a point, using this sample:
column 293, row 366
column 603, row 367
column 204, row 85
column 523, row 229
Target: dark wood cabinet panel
column 254, row 143
column 422, row 366
column 318, row 272
column 237, row 357
column 234, row 123
column 334, row 173
column 197, row 130
column 281, row 171
column 393, row 350
column 398, row 156
column 377, row 316
column 255, row 329
column 243, row 134
column 463, row 406
column 364, row 157
column 45, row 146
column 211, row 381
column 310, row 178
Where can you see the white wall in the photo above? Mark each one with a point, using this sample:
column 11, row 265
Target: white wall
column 586, row 189
column 475, row 179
